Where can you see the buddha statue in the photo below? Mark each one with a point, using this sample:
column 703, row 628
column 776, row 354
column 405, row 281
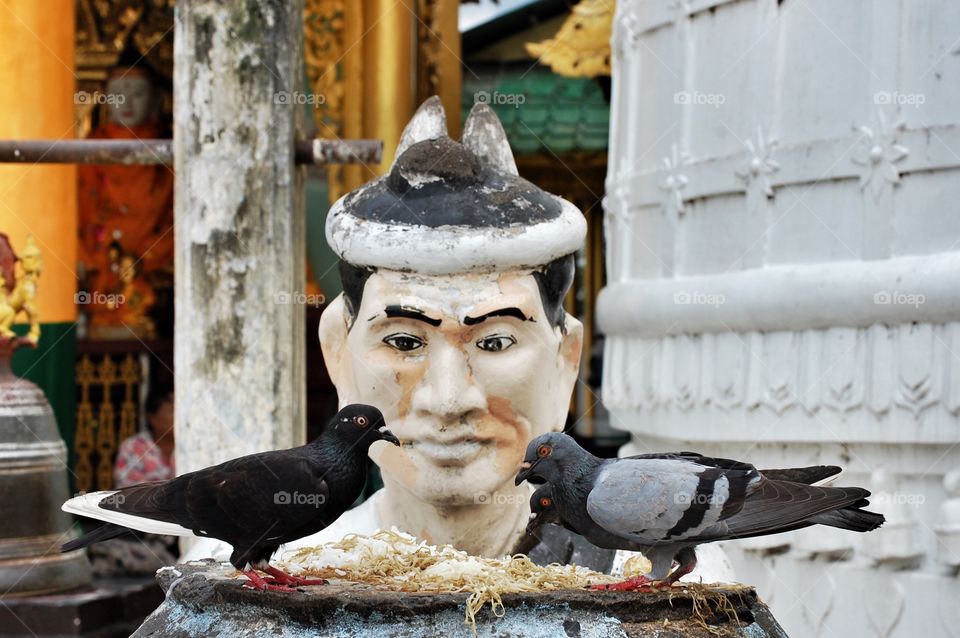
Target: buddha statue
column 126, row 209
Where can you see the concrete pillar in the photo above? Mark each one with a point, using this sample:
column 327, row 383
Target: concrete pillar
column 240, row 229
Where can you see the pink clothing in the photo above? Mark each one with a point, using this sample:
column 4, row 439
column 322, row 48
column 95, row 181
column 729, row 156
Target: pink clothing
column 139, row 460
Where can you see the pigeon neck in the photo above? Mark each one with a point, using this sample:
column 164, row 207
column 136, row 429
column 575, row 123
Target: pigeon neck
column 575, row 490
column 336, row 448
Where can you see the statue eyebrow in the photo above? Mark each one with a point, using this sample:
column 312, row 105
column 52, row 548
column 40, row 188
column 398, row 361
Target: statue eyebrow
column 502, row 312
column 410, row 312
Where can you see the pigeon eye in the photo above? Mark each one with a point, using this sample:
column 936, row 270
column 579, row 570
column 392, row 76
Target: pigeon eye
column 545, row 502
column 403, row 342
column 361, row 421
column 543, row 451
column 496, row 343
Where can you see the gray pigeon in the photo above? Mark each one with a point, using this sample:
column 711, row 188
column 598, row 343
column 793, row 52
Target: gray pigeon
column 664, row 505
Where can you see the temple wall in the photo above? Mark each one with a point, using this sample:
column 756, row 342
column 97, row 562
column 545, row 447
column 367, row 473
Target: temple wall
column 783, row 257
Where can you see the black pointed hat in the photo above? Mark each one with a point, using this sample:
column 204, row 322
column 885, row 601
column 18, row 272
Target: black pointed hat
column 450, row 207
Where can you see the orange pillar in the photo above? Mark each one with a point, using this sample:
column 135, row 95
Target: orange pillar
column 37, row 86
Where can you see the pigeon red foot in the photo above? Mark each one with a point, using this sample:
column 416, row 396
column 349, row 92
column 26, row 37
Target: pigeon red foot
column 644, row 584
column 278, row 580
column 638, row 583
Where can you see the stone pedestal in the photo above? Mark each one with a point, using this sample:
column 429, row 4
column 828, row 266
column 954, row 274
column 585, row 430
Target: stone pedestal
column 203, row 601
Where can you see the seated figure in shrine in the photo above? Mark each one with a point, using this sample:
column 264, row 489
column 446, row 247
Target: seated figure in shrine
column 126, row 210
column 452, row 322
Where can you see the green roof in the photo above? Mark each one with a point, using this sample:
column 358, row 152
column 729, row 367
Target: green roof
column 542, row 111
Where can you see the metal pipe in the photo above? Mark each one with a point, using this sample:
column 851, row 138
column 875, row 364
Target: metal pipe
column 318, row 152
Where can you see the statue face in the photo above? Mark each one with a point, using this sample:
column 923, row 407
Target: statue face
column 466, row 369
column 136, row 103
column 30, row 263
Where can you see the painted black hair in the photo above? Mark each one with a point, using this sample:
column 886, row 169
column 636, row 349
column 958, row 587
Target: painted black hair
column 553, row 280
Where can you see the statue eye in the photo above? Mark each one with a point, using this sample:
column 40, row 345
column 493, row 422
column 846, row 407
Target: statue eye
column 404, row 342
column 361, row 421
column 543, row 451
column 496, row 343
column 545, row 502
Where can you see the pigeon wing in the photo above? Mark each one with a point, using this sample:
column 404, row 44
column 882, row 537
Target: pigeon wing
column 651, row 500
column 773, row 506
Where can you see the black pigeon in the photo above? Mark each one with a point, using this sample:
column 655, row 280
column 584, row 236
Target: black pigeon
column 664, row 505
column 255, row 502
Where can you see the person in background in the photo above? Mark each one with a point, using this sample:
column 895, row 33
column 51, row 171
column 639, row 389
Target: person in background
column 148, row 455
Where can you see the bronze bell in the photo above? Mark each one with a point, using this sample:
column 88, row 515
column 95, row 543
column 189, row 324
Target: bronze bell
column 33, row 484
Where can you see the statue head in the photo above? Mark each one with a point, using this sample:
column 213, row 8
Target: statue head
column 452, row 319
column 128, row 267
column 133, row 95
column 30, row 260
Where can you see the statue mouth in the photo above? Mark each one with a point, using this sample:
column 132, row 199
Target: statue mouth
column 455, row 453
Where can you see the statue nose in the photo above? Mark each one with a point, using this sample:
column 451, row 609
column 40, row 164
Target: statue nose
column 448, row 390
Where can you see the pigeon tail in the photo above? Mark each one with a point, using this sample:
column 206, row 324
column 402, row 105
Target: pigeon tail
column 102, row 533
column 855, row 520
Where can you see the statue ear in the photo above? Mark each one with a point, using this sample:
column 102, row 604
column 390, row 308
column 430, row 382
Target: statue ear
column 571, row 349
column 483, row 134
column 332, row 332
column 429, row 122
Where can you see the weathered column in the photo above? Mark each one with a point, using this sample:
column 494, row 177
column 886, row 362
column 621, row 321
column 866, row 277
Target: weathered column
column 239, row 227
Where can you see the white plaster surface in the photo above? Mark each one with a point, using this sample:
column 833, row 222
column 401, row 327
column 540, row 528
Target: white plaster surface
column 782, row 248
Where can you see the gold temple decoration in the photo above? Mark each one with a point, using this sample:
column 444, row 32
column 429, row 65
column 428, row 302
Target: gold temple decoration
column 362, row 58
column 19, row 294
column 324, row 25
column 581, row 47
column 104, row 28
column 83, row 438
column 106, row 436
column 438, row 56
column 98, row 432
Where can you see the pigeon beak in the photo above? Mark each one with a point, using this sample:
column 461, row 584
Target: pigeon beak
column 387, row 435
column 525, row 469
column 532, row 523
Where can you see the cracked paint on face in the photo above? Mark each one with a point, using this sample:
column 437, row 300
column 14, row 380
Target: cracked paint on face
column 466, row 370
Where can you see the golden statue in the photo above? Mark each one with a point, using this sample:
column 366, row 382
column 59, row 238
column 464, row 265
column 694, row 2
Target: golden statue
column 120, row 309
column 19, row 294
